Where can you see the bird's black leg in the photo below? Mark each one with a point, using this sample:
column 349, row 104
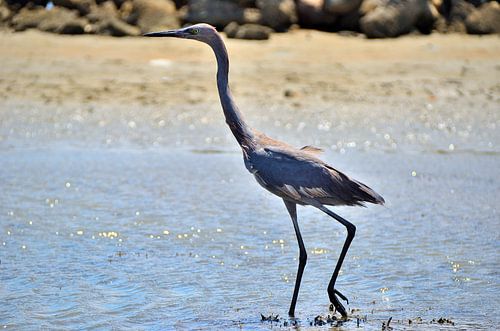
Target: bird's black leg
column 351, row 231
column 292, row 210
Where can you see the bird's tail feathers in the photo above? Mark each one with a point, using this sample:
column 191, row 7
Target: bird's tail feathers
column 366, row 194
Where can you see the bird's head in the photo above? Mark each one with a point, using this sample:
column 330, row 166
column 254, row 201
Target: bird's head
column 202, row 32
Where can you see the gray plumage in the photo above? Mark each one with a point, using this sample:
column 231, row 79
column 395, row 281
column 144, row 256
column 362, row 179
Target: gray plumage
column 294, row 174
column 299, row 177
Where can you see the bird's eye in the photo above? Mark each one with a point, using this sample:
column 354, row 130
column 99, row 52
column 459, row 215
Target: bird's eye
column 195, row 31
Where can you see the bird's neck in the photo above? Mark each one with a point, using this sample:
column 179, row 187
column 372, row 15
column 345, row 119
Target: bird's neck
column 234, row 118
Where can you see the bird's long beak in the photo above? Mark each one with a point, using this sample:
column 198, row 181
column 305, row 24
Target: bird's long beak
column 168, row 33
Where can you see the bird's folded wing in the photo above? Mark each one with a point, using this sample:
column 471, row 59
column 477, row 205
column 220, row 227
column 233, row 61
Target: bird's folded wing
column 300, row 175
column 312, row 150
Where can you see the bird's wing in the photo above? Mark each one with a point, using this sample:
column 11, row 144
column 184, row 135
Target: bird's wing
column 264, row 140
column 299, row 176
column 312, row 150
column 270, row 142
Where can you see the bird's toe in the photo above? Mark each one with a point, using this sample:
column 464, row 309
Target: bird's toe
column 336, row 306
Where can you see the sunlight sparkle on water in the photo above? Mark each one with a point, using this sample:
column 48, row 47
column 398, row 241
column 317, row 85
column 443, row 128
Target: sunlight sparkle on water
column 319, row 251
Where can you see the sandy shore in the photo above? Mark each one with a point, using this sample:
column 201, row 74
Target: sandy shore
column 295, row 75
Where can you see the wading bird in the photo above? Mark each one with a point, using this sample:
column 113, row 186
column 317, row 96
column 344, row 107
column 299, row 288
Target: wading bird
column 295, row 175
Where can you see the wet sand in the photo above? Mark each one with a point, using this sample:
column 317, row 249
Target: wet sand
column 342, row 85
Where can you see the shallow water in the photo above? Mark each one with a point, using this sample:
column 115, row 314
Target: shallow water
column 178, row 238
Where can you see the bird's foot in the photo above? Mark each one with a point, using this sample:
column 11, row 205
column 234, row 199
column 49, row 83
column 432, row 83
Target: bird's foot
column 343, row 297
column 335, row 303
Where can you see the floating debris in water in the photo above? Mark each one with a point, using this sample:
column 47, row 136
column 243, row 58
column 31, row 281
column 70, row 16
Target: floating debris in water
column 386, row 326
column 330, row 319
column 443, row 320
column 270, row 318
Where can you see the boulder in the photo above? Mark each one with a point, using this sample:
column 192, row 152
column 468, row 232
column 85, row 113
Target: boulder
column 252, row 16
column 125, row 11
column 16, row 5
column 218, row 13
column 368, row 6
column 393, row 18
column 428, row 18
column 104, row 11
column 58, row 20
column 28, row 19
column 180, row 3
column 456, row 13
column 152, row 15
column 278, row 14
column 341, row 6
column 5, row 13
column 478, row 3
column 117, row 28
column 118, row 3
column 310, row 14
column 247, row 31
column 484, row 20
column 106, row 21
column 349, row 21
column 82, row 6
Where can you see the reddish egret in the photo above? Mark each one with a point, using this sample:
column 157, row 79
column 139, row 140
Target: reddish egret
column 295, row 175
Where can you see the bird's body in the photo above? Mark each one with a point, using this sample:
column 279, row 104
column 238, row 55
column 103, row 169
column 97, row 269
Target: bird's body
column 280, row 169
column 296, row 175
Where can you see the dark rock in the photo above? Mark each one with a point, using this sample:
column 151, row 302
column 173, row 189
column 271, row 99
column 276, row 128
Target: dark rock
column 427, row 20
column 477, row 3
column 393, row 18
column 349, row 21
column 456, row 14
column 82, row 6
column 311, row 14
column 341, row 6
column 278, row 14
column 180, row 3
column 247, row 31
column 218, row 13
column 16, row 5
column 484, row 20
column 118, row 3
column 58, row 20
column 152, row 15
column 246, row 3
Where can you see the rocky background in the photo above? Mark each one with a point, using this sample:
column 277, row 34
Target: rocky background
column 252, row 19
